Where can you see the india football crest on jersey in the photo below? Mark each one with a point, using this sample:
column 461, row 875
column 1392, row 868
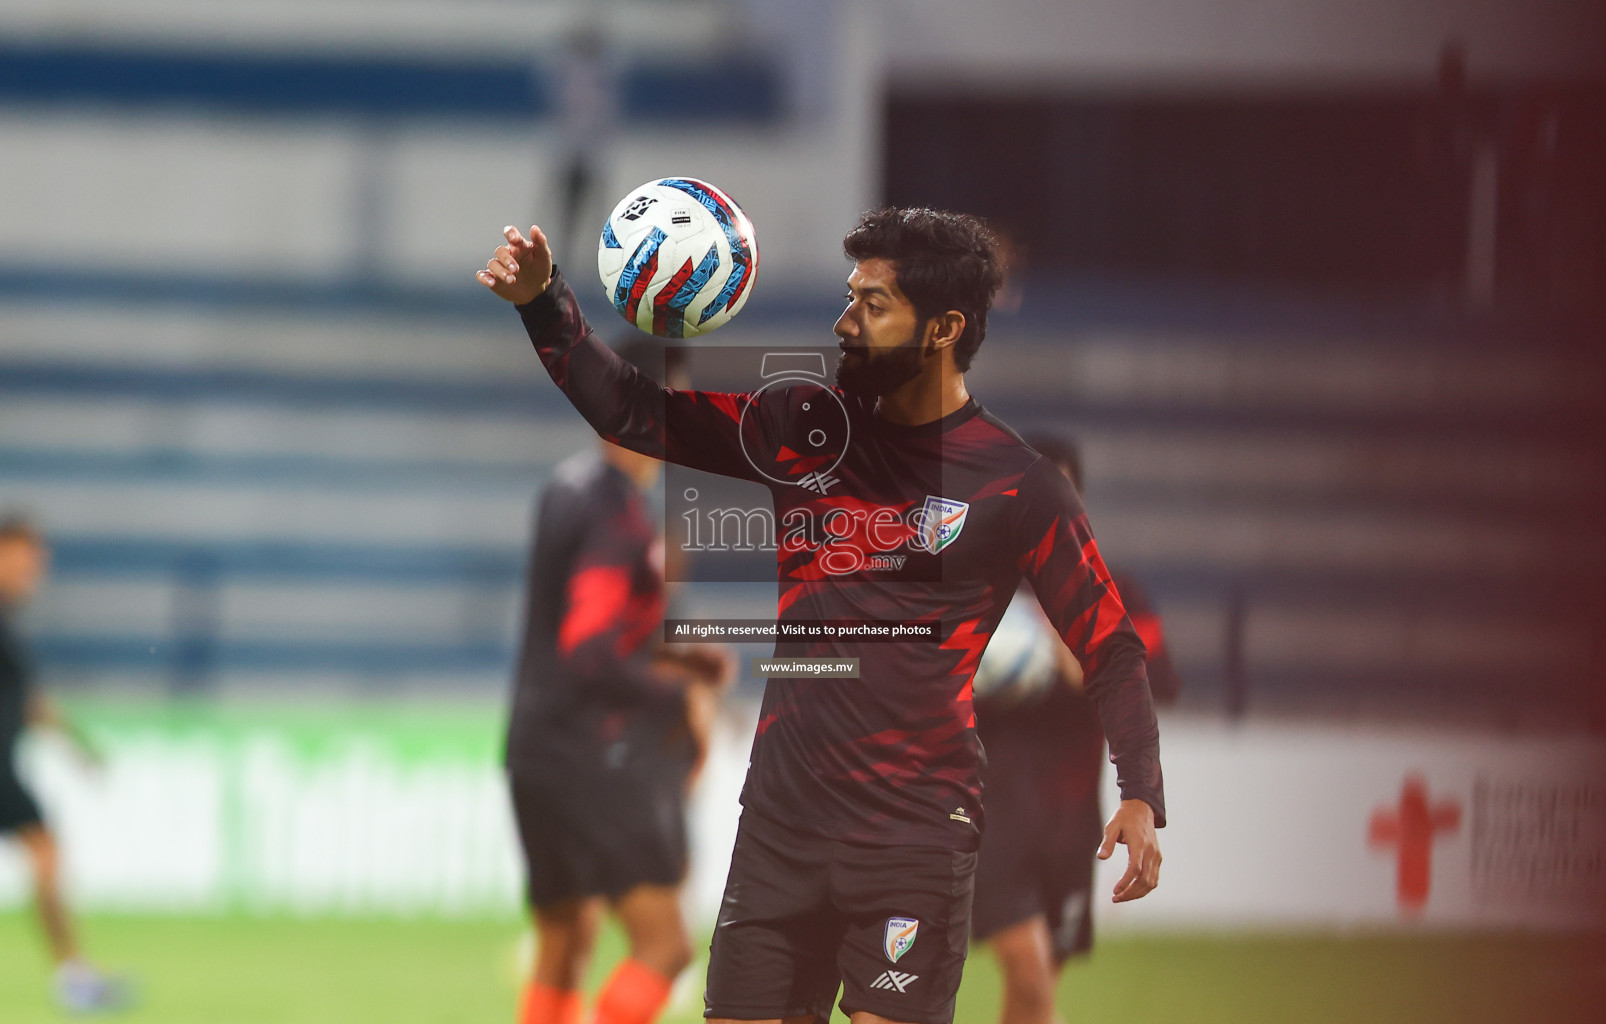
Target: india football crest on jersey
column 942, row 522
column 900, row 936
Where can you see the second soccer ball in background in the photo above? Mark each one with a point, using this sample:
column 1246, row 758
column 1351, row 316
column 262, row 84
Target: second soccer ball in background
column 1020, row 663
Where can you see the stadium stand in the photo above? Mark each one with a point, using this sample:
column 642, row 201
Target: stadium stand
column 285, row 441
column 1402, row 517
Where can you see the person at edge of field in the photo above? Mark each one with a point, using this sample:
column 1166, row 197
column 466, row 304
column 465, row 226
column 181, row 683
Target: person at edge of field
column 862, row 811
column 24, row 561
column 1045, row 756
column 607, row 730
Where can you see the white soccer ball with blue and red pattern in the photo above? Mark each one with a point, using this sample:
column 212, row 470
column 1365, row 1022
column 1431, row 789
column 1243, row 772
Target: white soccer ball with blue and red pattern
column 677, row 257
column 1021, row 663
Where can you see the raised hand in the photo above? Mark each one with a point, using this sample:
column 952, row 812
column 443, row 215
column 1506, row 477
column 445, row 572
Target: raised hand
column 521, row 269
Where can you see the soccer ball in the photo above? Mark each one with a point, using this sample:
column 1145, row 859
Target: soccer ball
column 1019, row 664
column 677, row 257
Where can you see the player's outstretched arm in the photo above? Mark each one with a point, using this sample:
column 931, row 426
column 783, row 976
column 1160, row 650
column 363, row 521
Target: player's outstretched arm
column 521, row 269
column 1132, row 825
column 694, row 428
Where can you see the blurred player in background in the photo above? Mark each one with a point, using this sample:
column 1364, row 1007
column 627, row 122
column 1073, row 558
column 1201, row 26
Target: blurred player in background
column 24, row 560
column 588, row 108
column 609, row 727
column 861, row 810
column 1045, row 758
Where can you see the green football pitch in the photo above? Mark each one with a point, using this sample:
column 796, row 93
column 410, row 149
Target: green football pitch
column 255, row 971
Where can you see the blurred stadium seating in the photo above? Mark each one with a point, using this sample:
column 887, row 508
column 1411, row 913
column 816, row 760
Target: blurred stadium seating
column 281, row 441
column 341, row 497
column 1341, row 416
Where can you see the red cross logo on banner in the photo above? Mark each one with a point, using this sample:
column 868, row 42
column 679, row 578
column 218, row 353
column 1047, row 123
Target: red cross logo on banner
column 1411, row 826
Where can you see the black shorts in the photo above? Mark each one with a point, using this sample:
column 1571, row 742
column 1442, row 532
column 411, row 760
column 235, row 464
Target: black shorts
column 1037, row 860
column 17, row 807
column 803, row 914
column 599, row 833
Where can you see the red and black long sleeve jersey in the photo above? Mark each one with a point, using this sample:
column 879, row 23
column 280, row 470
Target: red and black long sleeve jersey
column 1054, row 745
column 594, row 611
column 937, row 522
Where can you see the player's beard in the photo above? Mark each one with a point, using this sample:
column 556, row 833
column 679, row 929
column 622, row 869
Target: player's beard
column 871, row 373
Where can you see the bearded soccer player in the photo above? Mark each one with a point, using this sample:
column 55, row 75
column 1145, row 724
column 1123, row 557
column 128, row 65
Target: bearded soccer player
column 608, row 727
column 862, row 807
column 1044, row 762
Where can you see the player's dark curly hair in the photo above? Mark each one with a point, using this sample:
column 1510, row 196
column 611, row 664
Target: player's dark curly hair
column 943, row 261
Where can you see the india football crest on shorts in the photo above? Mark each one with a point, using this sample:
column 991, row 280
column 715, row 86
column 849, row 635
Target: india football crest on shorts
column 899, row 937
column 942, row 522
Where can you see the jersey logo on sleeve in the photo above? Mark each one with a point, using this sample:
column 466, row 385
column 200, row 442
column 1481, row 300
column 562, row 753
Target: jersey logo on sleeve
column 942, row 522
column 899, row 937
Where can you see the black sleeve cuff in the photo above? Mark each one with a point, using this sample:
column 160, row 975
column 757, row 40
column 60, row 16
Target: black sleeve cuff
column 541, row 311
column 1155, row 801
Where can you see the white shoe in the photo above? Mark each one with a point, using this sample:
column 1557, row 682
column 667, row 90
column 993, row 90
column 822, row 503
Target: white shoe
column 81, row 988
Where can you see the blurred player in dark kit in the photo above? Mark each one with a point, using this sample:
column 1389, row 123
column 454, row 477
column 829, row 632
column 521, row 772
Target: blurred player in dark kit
column 1045, row 758
column 589, row 98
column 24, row 560
column 607, row 729
column 862, row 806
